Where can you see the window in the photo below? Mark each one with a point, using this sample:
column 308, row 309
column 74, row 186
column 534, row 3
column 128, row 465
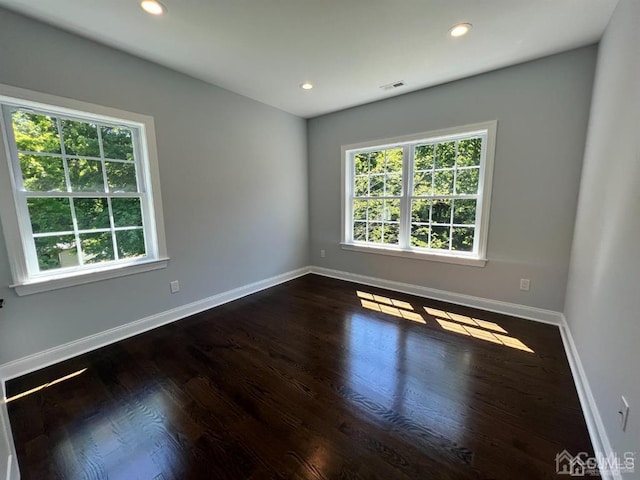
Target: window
column 424, row 196
column 86, row 206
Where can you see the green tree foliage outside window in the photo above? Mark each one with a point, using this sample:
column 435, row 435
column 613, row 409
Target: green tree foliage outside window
column 378, row 181
column 67, row 156
column 443, row 194
column 442, row 171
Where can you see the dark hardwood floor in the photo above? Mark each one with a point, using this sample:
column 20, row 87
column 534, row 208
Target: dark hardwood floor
column 307, row 380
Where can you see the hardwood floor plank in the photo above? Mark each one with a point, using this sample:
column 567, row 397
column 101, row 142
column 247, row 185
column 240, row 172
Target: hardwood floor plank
column 313, row 379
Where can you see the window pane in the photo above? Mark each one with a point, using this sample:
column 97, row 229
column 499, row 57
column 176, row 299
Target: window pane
column 86, row 175
column 130, row 243
column 392, row 210
column 424, row 157
column 126, row 212
column 80, row 138
column 440, row 238
column 376, row 185
column 360, row 231
column 419, row 236
column 359, row 209
column 394, row 161
column 376, row 162
column 469, row 152
column 441, row 211
column 361, row 163
column 393, row 185
column 376, row 210
column 35, row 133
column 422, row 183
column 464, row 211
column 42, row 174
column 361, row 186
column 56, row 252
column 462, row 239
column 442, row 191
column 391, row 233
column 91, row 213
column 420, row 210
column 375, row 232
column 121, row 176
column 446, row 155
column 97, row 247
column 467, row 181
column 117, row 143
column 50, row 215
column 443, row 182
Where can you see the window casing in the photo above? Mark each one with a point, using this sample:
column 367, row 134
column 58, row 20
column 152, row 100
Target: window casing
column 84, row 199
column 422, row 196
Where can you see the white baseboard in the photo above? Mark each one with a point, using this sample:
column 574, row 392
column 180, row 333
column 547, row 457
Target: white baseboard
column 513, row 309
column 54, row 355
column 7, row 447
column 597, row 432
column 57, row 354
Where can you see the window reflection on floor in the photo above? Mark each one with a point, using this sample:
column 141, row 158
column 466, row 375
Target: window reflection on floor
column 148, row 448
column 373, row 355
column 393, row 366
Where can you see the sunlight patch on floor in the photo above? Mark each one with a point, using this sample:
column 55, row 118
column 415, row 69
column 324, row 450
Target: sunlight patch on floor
column 390, row 306
column 45, row 385
column 450, row 321
column 489, row 336
column 475, row 322
column 385, row 300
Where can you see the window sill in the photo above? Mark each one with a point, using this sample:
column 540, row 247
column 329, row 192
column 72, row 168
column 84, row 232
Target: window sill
column 63, row 281
column 455, row 259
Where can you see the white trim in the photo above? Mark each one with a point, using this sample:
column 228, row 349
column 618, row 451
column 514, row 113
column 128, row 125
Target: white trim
column 432, row 136
column 497, row 306
column 68, row 105
column 592, row 417
column 12, row 473
column 443, row 257
column 79, row 278
column 57, row 354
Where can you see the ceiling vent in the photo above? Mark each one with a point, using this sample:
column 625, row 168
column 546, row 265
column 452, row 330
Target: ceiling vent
column 394, row 85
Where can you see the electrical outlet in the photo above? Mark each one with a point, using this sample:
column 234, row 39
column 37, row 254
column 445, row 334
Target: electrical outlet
column 624, row 413
column 525, row 283
column 323, row 253
column 175, row 286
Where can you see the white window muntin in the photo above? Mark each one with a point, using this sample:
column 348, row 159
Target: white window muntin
column 485, row 130
column 15, row 217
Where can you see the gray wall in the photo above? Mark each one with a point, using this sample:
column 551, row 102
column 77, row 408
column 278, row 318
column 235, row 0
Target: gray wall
column 234, row 186
column 603, row 304
column 542, row 111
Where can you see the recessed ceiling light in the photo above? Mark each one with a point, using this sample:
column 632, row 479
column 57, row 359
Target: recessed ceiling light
column 306, row 86
column 153, row 7
column 460, row 29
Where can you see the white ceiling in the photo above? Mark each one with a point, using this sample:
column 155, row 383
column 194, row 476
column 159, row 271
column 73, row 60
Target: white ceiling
column 265, row 49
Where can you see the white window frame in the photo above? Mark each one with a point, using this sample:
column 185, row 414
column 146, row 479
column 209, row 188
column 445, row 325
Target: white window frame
column 15, row 217
column 478, row 257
